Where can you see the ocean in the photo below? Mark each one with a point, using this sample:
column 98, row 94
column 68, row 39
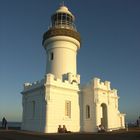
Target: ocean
column 12, row 124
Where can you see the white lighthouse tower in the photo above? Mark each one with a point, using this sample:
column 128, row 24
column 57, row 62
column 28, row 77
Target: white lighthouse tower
column 61, row 43
column 54, row 101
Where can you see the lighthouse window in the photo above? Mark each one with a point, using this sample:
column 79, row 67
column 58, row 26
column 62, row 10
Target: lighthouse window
column 68, row 109
column 59, row 16
column 87, row 111
column 69, row 18
column 63, row 16
column 51, row 56
column 33, row 109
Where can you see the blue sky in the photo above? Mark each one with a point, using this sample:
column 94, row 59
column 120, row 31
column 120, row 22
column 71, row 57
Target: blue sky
column 110, row 31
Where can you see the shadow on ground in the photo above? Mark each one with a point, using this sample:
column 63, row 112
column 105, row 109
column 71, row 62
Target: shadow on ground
column 131, row 134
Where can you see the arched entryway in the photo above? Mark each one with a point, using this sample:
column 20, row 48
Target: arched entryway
column 104, row 115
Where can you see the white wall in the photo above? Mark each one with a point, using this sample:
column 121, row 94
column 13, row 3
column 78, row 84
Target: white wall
column 89, row 124
column 64, row 51
column 34, row 117
column 50, row 97
column 58, row 92
column 50, row 100
column 95, row 94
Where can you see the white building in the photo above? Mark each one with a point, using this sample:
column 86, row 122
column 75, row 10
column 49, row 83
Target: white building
column 58, row 98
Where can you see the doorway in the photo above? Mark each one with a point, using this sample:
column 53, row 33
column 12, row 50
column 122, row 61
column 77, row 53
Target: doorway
column 104, row 115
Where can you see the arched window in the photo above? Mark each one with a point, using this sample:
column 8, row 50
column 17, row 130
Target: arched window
column 87, row 111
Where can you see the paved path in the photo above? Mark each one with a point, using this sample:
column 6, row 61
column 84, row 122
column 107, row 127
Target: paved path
column 24, row 135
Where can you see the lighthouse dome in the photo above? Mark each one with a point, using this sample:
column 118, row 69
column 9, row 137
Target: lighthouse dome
column 64, row 9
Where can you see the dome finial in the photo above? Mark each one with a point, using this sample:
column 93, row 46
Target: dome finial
column 62, row 4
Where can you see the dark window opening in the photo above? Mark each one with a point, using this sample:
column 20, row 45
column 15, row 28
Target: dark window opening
column 51, row 57
column 87, row 111
column 59, row 16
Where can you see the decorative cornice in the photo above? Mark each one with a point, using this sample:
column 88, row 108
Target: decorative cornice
column 61, row 32
column 32, row 89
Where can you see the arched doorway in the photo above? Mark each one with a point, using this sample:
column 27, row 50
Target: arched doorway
column 104, row 115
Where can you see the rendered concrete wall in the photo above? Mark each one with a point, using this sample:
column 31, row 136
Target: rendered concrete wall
column 96, row 94
column 58, row 93
column 34, row 115
column 64, row 51
column 50, row 98
column 89, row 124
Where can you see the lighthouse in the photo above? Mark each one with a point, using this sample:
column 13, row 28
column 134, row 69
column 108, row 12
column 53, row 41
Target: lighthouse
column 61, row 42
column 58, row 100
column 54, row 101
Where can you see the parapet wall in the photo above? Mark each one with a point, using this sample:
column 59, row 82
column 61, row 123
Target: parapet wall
column 71, row 78
column 71, row 82
column 104, row 85
column 98, row 84
column 36, row 84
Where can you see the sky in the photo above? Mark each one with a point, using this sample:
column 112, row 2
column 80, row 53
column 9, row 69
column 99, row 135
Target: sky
column 110, row 48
